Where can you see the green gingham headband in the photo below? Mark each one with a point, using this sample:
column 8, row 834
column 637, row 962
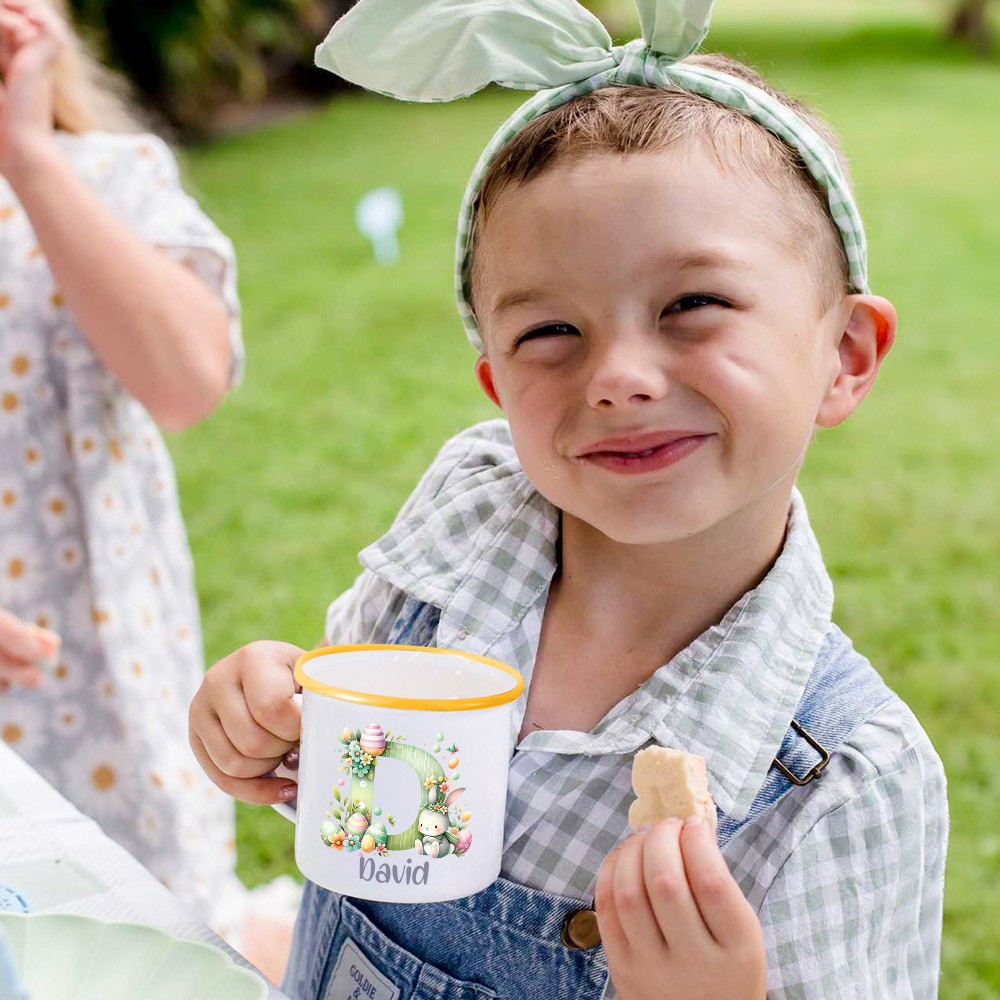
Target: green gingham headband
column 440, row 50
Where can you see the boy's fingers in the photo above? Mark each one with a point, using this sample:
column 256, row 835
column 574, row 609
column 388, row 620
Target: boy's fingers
column 251, row 693
column 269, row 692
column 669, row 892
column 222, row 710
column 244, row 719
column 225, row 755
column 724, row 909
column 262, row 791
column 613, row 935
column 631, row 899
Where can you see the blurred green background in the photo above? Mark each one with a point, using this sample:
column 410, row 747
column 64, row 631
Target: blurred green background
column 356, row 374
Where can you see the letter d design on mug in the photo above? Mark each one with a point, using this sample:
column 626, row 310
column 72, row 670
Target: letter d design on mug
column 440, row 826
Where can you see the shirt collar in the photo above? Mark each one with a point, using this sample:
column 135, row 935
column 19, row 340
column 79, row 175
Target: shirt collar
column 482, row 547
column 483, row 550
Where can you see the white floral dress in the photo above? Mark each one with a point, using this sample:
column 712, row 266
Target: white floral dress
column 92, row 543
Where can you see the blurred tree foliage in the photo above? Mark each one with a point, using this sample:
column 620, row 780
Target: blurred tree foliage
column 187, row 57
column 970, row 22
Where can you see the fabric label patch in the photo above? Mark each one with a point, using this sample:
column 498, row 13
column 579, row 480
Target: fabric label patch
column 355, row 978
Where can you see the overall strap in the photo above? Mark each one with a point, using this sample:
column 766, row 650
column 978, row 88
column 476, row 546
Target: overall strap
column 416, row 624
column 843, row 692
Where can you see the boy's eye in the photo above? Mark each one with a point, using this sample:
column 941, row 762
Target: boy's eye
column 700, row 300
column 549, row 330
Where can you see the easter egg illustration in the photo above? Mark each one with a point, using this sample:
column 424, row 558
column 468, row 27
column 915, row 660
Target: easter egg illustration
column 467, row 815
column 378, row 833
column 367, row 843
column 464, row 842
column 453, row 763
column 348, row 734
column 327, row 829
column 373, row 740
column 356, row 824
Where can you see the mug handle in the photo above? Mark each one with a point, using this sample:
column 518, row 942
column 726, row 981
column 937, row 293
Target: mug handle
column 286, row 809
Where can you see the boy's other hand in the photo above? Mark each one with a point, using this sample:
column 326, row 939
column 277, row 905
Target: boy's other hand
column 245, row 718
column 674, row 923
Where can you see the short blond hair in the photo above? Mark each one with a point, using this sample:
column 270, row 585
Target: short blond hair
column 87, row 95
column 634, row 119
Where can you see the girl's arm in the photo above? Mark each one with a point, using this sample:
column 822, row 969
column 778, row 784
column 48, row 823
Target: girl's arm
column 156, row 326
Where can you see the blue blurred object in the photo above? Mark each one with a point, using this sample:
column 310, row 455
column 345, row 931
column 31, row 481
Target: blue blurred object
column 378, row 215
column 12, row 901
column 10, row 985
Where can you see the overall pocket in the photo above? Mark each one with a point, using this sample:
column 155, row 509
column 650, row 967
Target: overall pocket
column 507, row 939
column 365, row 964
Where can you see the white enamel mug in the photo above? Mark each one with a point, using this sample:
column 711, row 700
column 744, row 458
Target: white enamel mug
column 402, row 770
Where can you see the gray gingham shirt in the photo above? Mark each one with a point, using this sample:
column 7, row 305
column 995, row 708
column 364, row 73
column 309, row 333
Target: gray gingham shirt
column 846, row 874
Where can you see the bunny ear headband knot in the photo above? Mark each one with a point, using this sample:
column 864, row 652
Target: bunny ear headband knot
column 441, row 50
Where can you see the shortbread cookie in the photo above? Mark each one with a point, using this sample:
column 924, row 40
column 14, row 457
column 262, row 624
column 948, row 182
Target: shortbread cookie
column 669, row 783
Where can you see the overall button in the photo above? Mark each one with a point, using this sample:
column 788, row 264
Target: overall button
column 579, row 930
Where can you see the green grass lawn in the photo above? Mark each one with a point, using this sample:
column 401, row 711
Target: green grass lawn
column 356, row 374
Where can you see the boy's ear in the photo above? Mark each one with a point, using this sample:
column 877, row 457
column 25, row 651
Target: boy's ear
column 865, row 340
column 484, row 375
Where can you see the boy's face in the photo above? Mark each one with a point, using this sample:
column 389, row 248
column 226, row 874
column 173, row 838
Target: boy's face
column 656, row 341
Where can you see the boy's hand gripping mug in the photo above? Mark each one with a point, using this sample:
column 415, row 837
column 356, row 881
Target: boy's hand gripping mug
column 402, row 770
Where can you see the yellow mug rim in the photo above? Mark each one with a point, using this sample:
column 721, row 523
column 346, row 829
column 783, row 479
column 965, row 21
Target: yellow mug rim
column 309, row 683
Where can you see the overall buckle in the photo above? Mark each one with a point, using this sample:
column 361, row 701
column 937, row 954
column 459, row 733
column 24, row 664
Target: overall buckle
column 814, row 772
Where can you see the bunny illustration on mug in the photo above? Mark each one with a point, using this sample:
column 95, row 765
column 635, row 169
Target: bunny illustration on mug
column 437, row 837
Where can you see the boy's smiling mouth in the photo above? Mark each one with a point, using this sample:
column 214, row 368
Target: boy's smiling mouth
column 635, row 454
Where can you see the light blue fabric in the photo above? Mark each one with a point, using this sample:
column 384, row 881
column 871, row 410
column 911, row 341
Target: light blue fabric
column 439, row 50
column 12, row 901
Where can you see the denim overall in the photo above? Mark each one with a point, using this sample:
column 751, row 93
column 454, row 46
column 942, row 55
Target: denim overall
column 507, row 942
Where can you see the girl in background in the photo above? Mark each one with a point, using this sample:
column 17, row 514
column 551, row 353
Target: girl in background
column 118, row 314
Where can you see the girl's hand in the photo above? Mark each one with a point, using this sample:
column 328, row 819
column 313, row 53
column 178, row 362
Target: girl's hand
column 674, row 923
column 244, row 720
column 22, row 646
column 31, row 39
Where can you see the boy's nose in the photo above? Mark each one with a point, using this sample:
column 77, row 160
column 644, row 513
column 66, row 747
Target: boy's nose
column 626, row 373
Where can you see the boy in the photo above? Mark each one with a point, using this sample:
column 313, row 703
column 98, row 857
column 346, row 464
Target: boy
column 665, row 310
